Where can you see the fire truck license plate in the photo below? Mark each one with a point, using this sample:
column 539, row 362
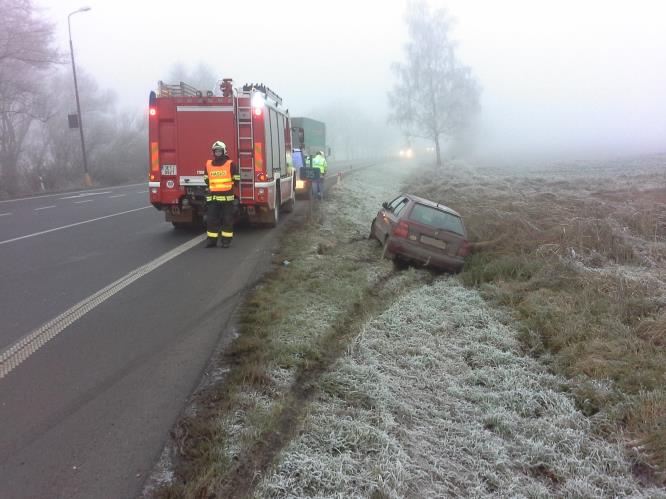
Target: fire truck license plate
column 168, row 169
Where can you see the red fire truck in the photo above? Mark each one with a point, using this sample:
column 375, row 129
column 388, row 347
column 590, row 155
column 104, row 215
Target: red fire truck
column 183, row 124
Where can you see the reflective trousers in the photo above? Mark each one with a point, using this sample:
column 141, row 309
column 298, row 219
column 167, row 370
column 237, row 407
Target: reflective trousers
column 220, row 220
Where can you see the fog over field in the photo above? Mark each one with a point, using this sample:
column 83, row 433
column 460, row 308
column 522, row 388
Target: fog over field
column 563, row 79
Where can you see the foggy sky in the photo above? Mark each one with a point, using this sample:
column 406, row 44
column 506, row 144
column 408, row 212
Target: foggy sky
column 562, row 77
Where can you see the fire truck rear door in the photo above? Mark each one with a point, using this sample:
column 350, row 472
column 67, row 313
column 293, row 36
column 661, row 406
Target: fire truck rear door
column 197, row 128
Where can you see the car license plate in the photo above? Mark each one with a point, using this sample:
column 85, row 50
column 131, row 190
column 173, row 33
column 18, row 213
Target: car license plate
column 433, row 242
column 168, row 169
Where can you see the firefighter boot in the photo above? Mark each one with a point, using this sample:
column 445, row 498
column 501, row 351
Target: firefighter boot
column 211, row 242
column 226, row 242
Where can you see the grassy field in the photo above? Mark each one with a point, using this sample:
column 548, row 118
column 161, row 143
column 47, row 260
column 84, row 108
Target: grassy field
column 578, row 258
column 349, row 378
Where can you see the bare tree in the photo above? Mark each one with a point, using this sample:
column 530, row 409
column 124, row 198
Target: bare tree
column 116, row 141
column 25, row 51
column 435, row 95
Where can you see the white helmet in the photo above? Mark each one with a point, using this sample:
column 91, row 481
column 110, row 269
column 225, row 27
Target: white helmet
column 218, row 144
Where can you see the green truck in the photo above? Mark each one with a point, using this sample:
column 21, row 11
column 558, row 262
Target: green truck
column 307, row 136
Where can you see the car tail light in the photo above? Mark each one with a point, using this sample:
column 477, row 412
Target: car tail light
column 464, row 248
column 402, row 229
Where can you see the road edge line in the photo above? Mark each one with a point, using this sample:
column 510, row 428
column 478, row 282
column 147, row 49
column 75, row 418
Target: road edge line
column 22, row 349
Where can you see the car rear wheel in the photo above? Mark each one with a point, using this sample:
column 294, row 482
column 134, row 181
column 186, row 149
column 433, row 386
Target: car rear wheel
column 400, row 263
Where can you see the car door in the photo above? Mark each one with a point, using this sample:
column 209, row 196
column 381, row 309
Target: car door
column 388, row 217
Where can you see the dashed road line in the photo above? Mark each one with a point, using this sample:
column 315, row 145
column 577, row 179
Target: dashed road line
column 45, row 207
column 30, row 198
column 4, row 214
column 21, row 350
column 86, row 194
column 117, row 196
column 84, row 201
column 73, row 225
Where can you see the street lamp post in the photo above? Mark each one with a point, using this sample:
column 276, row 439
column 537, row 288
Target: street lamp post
column 86, row 177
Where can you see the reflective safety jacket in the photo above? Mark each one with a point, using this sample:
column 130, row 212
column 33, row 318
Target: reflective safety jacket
column 219, row 176
column 220, row 180
column 319, row 161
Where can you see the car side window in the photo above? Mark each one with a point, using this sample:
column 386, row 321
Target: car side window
column 398, row 209
column 395, row 203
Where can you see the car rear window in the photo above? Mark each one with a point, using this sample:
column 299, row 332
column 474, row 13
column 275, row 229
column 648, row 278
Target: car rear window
column 439, row 219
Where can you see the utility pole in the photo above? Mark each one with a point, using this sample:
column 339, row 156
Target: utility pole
column 87, row 181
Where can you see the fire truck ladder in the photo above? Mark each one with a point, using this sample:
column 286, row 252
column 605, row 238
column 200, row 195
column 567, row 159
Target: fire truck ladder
column 179, row 90
column 245, row 137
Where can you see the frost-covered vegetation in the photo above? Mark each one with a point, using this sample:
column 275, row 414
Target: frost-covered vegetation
column 577, row 252
column 435, row 399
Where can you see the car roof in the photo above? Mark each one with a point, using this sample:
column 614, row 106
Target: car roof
column 427, row 202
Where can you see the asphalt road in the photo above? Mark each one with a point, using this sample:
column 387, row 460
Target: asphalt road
column 86, row 414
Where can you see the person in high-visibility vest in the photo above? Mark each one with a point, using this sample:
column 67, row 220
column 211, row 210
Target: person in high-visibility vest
column 319, row 161
column 221, row 173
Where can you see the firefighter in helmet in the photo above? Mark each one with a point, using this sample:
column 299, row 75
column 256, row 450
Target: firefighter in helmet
column 221, row 174
column 319, row 161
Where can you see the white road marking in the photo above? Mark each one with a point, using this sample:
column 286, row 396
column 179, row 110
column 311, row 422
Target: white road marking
column 86, row 194
column 117, row 196
column 45, row 207
column 72, row 225
column 4, row 214
column 22, row 349
column 84, row 201
column 142, row 192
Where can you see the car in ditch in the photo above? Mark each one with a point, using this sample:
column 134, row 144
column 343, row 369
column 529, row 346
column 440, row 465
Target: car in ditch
column 415, row 230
